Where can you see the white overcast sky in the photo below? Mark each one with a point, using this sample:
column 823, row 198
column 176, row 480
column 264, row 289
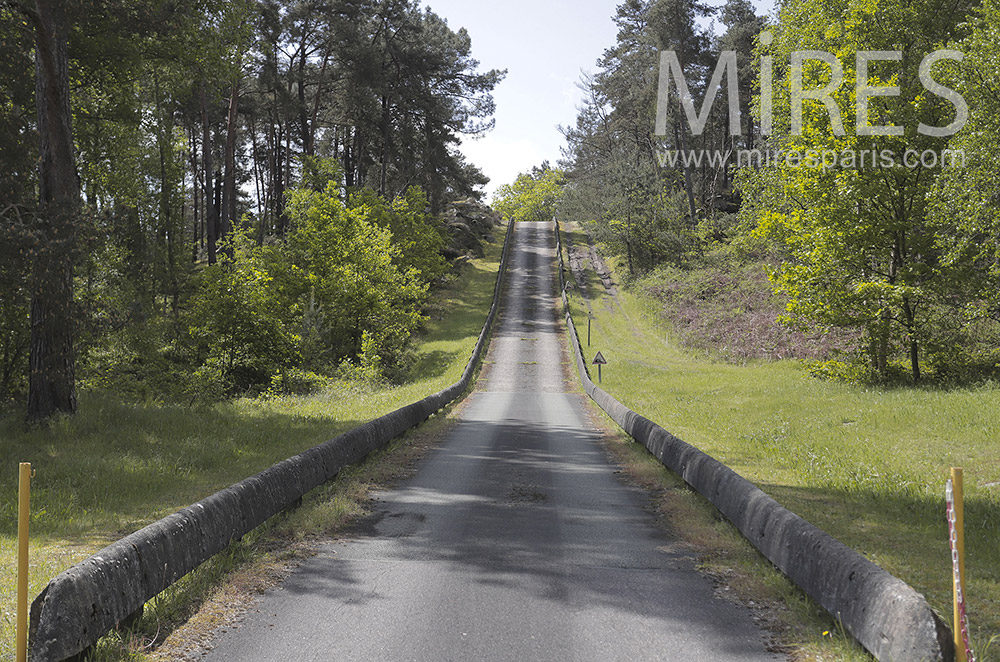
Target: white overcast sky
column 545, row 45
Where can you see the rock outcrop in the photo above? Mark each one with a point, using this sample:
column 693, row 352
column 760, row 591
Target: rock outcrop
column 469, row 223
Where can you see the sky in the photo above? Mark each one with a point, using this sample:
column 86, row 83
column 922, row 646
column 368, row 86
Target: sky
column 546, row 46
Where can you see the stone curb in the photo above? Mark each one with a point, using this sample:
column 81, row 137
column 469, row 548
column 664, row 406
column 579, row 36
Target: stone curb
column 883, row 613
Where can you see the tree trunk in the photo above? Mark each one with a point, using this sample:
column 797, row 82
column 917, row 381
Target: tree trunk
column 195, row 192
column 206, row 160
column 215, row 222
column 305, row 134
column 880, row 347
column 168, row 233
column 287, row 178
column 272, row 147
column 349, row 179
column 311, row 144
column 258, row 182
column 384, row 158
column 52, row 386
column 228, row 216
column 628, row 241
column 688, row 183
column 911, row 330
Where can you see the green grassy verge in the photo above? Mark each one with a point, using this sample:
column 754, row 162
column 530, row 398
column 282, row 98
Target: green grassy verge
column 867, row 465
column 117, row 466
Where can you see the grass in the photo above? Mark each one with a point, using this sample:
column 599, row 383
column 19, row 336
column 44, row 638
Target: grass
column 868, row 465
column 117, row 466
column 179, row 621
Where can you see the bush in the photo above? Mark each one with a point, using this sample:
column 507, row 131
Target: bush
column 348, row 268
column 239, row 320
column 533, row 196
column 296, row 381
column 418, row 236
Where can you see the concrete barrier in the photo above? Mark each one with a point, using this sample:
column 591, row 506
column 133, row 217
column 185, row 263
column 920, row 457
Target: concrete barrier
column 85, row 602
column 883, row 613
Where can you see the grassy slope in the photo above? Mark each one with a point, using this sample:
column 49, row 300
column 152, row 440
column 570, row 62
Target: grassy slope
column 116, row 466
column 866, row 465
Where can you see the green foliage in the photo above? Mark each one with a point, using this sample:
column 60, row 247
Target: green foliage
column 318, row 173
column 534, row 196
column 296, row 381
column 346, row 265
column 13, row 315
column 18, row 147
column 239, row 319
column 963, row 209
column 860, row 252
column 418, row 236
column 18, row 156
column 337, row 293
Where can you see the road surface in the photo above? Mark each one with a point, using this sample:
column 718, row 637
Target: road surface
column 514, row 540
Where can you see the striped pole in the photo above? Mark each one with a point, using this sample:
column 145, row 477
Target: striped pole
column 956, row 536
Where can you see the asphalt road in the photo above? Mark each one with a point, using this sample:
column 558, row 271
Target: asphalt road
column 514, row 540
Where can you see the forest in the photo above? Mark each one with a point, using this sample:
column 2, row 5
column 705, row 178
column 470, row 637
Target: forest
column 879, row 270
column 201, row 199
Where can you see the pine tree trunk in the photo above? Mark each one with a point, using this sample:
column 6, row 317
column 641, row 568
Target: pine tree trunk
column 206, row 160
column 52, row 387
column 258, row 182
column 168, row 234
column 305, row 134
column 384, row 158
column 214, row 223
column 229, row 181
column 880, row 348
column 195, row 193
column 311, row 143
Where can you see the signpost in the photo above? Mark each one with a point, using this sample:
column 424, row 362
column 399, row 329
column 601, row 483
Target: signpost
column 599, row 360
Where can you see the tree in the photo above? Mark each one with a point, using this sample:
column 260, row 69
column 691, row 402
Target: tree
column 963, row 211
column 187, row 122
column 417, row 235
column 414, row 89
column 860, row 251
column 534, row 196
column 640, row 203
column 52, row 385
column 743, row 26
column 347, row 263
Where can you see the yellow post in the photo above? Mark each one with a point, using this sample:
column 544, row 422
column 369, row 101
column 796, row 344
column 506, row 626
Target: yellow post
column 23, row 513
column 956, row 482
